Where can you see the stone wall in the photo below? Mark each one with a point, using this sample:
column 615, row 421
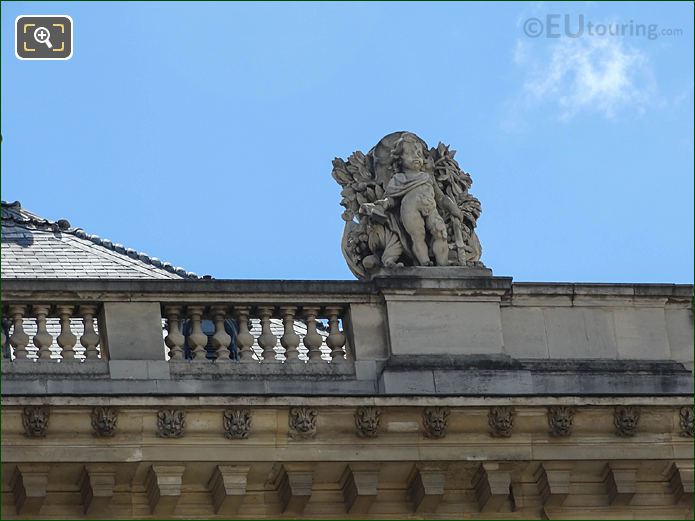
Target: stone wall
column 402, row 397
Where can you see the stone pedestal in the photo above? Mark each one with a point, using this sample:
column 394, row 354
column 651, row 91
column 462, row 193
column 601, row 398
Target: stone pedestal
column 443, row 310
column 434, row 272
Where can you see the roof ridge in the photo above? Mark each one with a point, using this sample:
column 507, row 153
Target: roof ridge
column 15, row 213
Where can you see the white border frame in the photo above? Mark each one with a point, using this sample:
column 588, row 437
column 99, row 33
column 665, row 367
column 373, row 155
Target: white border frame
column 72, row 39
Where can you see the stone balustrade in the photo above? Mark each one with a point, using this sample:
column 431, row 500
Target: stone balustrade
column 391, row 336
column 263, row 333
column 50, row 333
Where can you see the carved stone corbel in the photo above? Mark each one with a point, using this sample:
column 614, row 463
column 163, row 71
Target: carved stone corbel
column 29, row 484
column 621, row 481
column 426, row 487
column 359, row 486
column 96, row 484
column 491, row 485
column 294, row 482
column 163, row 488
column 228, row 488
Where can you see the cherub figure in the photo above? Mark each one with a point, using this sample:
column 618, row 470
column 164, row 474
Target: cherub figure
column 414, row 189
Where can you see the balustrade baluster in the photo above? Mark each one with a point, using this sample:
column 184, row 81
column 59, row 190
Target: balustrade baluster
column 42, row 338
column 244, row 339
column 290, row 339
column 90, row 338
column 312, row 340
column 174, row 339
column 267, row 340
column 336, row 338
column 19, row 340
column 66, row 340
column 197, row 340
column 221, row 339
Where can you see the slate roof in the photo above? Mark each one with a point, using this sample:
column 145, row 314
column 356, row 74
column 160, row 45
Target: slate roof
column 35, row 248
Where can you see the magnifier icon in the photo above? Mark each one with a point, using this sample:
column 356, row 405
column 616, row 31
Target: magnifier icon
column 43, row 35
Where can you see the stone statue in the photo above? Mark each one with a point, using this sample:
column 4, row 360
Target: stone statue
column 406, row 205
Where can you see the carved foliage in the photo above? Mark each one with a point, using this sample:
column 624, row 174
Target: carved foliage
column 686, row 420
column 170, row 423
column 104, row 421
column 237, row 423
column 501, row 421
column 626, row 420
column 434, row 421
column 367, row 420
column 302, row 423
column 35, row 421
column 560, row 420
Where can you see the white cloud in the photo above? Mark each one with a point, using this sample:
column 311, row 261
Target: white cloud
column 592, row 74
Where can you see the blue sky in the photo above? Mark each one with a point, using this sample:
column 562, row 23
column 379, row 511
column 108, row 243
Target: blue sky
column 203, row 133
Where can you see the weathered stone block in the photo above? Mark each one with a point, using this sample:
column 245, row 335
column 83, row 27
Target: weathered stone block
column 641, row 333
column 443, row 326
column 132, row 330
column 523, row 330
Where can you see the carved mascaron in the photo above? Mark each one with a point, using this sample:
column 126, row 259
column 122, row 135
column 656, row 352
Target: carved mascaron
column 104, row 421
column 367, row 420
column 434, row 421
column 406, row 205
column 687, row 418
column 35, row 421
column 560, row 419
column 501, row 421
column 237, row 423
column 626, row 420
column 302, row 423
column 170, row 423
